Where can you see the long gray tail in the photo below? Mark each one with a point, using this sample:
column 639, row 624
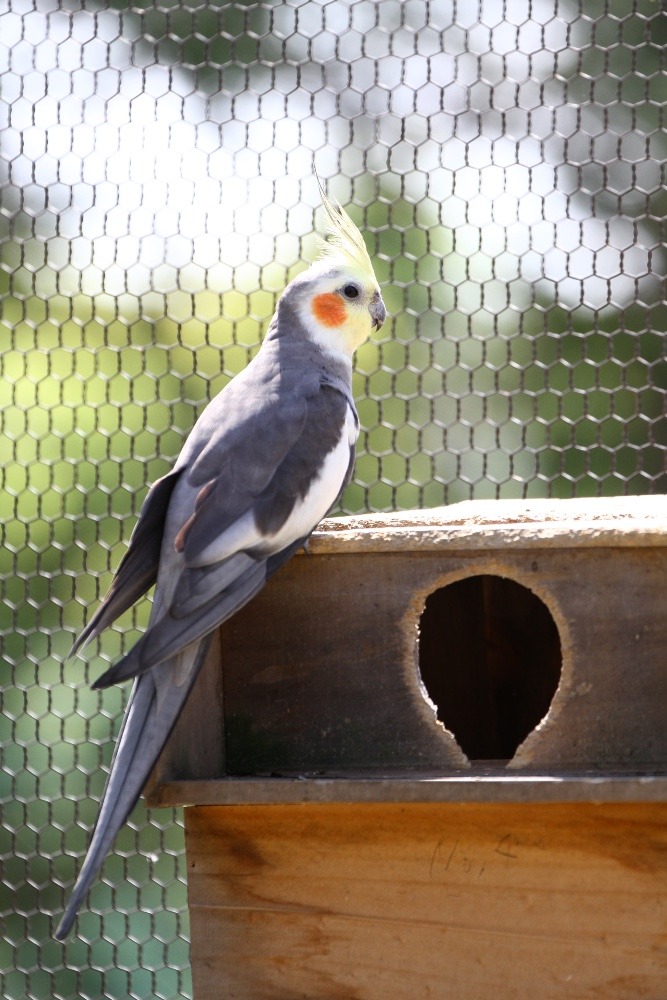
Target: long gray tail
column 155, row 703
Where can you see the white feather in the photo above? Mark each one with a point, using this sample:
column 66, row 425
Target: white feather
column 306, row 513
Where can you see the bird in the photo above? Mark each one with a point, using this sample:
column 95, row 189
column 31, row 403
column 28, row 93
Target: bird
column 267, row 459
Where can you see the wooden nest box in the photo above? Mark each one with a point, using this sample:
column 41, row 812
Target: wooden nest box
column 430, row 758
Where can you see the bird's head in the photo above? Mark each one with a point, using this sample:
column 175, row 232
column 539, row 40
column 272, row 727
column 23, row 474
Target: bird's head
column 338, row 298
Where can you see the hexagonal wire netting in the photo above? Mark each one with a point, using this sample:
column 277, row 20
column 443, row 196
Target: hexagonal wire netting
column 505, row 162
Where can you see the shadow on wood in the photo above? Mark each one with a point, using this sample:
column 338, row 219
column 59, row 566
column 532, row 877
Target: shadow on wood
column 490, row 659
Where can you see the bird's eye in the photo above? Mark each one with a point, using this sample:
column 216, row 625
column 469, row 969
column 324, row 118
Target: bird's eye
column 351, row 292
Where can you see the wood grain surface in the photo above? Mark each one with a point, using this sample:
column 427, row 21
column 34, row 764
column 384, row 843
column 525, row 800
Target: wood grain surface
column 401, row 902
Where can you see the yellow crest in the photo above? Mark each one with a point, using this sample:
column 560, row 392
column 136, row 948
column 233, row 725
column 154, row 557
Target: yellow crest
column 346, row 244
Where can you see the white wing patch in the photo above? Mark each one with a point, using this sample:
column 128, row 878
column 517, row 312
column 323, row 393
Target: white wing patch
column 242, row 534
column 305, row 515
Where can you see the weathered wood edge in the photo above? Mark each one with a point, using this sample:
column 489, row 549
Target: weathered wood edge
column 472, row 539
column 475, row 524
column 480, row 788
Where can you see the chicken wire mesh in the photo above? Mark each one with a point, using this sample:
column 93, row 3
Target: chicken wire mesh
column 505, row 161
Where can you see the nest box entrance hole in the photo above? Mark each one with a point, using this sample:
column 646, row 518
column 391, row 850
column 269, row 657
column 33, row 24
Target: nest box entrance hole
column 490, row 660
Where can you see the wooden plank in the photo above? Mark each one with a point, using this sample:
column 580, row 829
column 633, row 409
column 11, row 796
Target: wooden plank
column 330, row 684
column 396, row 902
column 476, row 788
column 475, row 525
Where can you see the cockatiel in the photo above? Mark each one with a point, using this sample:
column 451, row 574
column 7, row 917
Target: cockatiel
column 265, row 462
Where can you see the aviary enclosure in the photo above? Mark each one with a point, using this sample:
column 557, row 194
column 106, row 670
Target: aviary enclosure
column 506, row 163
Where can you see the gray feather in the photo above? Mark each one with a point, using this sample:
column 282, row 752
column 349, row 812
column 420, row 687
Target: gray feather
column 154, row 706
column 198, row 587
column 138, row 568
column 170, row 634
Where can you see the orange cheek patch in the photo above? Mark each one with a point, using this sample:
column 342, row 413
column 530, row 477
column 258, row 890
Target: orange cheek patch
column 329, row 310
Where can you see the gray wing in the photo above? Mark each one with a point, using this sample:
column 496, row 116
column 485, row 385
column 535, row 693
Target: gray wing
column 226, row 445
column 138, row 569
column 218, row 560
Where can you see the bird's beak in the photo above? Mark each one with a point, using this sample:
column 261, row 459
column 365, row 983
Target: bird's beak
column 377, row 311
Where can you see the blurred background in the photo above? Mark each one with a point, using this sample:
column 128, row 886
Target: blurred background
column 506, row 165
